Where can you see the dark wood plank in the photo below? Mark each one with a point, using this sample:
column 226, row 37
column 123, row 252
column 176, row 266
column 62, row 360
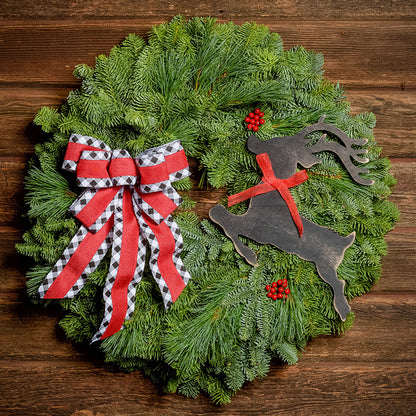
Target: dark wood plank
column 244, row 9
column 18, row 107
column 401, row 251
column 395, row 111
column 12, row 193
column 404, row 192
column 391, row 317
column 364, row 54
column 325, row 388
column 395, row 280
column 12, row 175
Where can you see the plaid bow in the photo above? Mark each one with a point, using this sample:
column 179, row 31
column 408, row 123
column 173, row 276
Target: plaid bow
column 127, row 202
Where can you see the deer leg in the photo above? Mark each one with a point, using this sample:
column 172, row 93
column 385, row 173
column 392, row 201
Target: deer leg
column 329, row 275
column 233, row 225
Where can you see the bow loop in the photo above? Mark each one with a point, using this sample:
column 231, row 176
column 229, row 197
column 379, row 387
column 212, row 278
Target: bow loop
column 159, row 167
column 76, row 145
column 92, row 169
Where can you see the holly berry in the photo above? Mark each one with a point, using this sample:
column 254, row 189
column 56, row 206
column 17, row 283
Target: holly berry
column 255, row 128
column 276, row 290
column 254, row 119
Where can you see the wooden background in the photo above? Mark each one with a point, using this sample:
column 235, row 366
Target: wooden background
column 370, row 47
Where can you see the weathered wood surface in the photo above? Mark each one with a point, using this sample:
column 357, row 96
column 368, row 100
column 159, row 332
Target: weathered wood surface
column 370, row 47
column 358, row 53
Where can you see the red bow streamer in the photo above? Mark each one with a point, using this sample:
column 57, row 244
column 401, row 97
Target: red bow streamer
column 271, row 183
column 127, row 202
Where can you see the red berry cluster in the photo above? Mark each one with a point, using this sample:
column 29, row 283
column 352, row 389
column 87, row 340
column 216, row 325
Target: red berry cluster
column 278, row 289
column 254, row 120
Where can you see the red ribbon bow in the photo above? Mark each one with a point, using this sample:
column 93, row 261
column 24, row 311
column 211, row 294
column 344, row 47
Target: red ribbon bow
column 127, row 202
column 271, row 183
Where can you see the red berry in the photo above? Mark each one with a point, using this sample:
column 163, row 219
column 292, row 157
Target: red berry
column 285, row 296
column 275, row 296
column 247, row 119
column 273, row 290
column 280, row 289
column 262, row 121
column 250, row 126
column 269, row 295
column 252, row 121
column 256, row 117
column 257, row 123
column 257, row 110
column 255, row 128
column 279, row 282
column 287, row 291
column 279, row 295
column 251, row 115
column 284, row 284
column 284, row 280
column 274, row 284
column 268, row 287
column 261, row 114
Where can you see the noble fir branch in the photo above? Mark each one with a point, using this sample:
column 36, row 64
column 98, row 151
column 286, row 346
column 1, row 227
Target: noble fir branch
column 47, row 194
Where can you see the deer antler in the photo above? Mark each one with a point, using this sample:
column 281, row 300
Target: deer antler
column 345, row 153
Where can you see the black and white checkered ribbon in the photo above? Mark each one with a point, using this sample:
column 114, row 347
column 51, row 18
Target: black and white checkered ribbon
column 127, row 202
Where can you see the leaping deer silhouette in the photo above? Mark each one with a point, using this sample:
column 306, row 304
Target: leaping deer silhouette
column 269, row 219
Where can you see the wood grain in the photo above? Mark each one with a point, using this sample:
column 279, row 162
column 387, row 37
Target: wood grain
column 351, row 48
column 370, row 47
column 162, row 10
column 12, row 172
column 325, row 389
column 395, row 111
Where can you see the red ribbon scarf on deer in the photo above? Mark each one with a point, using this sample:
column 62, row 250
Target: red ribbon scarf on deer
column 271, row 183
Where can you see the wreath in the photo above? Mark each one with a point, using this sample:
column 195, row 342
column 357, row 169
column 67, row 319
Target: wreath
column 197, row 83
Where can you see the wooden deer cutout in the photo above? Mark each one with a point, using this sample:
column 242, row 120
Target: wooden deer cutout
column 270, row 219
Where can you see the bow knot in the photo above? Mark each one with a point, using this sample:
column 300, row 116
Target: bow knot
column 126, row 203
column 271, row 183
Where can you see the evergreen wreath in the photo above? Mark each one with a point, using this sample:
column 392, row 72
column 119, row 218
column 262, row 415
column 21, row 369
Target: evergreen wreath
column 196, row 81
